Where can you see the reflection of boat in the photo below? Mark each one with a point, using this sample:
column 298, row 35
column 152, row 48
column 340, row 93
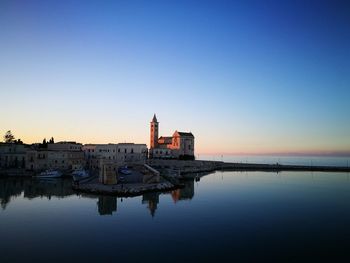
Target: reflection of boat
column 124, row 170
column 50, row 174
column 79, row 174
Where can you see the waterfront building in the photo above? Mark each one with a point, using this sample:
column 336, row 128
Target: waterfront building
column 61, row 156
column 13, row 155
column 132, row 153
column 121, row 153
column 65, row 146
column 95, row 152
column 178, row 146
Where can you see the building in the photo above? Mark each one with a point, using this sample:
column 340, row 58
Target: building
column 13, row 155
column 121, row 153
column 65, row 146
column 178, row 146
column 95, row 152
column 60, row 156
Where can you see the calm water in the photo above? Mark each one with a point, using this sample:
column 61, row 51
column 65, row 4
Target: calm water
column 270, row 159
column 236, row 216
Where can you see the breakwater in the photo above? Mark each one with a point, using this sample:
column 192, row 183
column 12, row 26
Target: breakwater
column 189, row 167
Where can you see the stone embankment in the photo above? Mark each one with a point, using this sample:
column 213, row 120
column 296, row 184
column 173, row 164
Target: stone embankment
column 95, row 187
column 281, row 167
column 188, row 168
column 152, row 183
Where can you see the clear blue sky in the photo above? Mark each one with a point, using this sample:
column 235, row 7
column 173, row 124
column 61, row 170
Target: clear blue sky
column 243, row 76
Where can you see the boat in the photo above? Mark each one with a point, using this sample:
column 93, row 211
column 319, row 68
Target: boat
column 124, row 170
column 50, row 174
column 79, row 174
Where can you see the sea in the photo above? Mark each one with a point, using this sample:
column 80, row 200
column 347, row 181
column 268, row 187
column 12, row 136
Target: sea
column 343, row 161
column 223, row 216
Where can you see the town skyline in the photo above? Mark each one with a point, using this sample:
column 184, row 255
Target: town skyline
column 267, row 153
column 257, row 77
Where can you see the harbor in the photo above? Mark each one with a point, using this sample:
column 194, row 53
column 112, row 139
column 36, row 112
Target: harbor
column 172, row 172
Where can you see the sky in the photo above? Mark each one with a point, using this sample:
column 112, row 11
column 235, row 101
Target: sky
column 243, row 76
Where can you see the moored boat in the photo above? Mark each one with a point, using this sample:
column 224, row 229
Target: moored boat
column 50, row 174
column 79, row 174
column 124, row 170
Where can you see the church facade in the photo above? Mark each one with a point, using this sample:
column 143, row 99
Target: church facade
column 178, row 146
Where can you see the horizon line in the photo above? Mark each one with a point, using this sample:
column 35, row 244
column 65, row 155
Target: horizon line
column 293, row 153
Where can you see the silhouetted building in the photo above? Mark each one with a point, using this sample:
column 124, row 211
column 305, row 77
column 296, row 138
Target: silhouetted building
column 13, row 155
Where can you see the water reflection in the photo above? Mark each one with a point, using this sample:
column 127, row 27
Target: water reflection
column 31, row 188
column 240, row 216
column 152, row 200
column 185, row 193
column 107, row 205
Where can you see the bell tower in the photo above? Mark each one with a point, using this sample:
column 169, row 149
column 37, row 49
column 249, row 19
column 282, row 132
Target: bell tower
column 154, row 132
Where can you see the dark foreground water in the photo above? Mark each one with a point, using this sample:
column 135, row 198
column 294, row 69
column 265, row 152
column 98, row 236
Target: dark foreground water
column 230, row 216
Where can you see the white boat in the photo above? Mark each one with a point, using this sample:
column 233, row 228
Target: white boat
column 124, row 170
column 50, row 174
column 79, row 174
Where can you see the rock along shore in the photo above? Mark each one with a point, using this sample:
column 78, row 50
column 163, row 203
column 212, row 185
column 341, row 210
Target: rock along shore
column 95, row 187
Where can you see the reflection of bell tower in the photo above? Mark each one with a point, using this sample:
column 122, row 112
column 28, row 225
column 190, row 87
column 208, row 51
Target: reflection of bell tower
column 154, row 132
column 152, row 199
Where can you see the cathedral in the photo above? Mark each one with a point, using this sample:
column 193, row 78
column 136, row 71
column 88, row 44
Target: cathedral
column 178, row 146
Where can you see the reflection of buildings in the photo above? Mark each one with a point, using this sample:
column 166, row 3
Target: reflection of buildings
column 152, row 199
column 32, row 188
column 184, row 193
column 48, row 188
column 9, row 188
column 107, row 205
